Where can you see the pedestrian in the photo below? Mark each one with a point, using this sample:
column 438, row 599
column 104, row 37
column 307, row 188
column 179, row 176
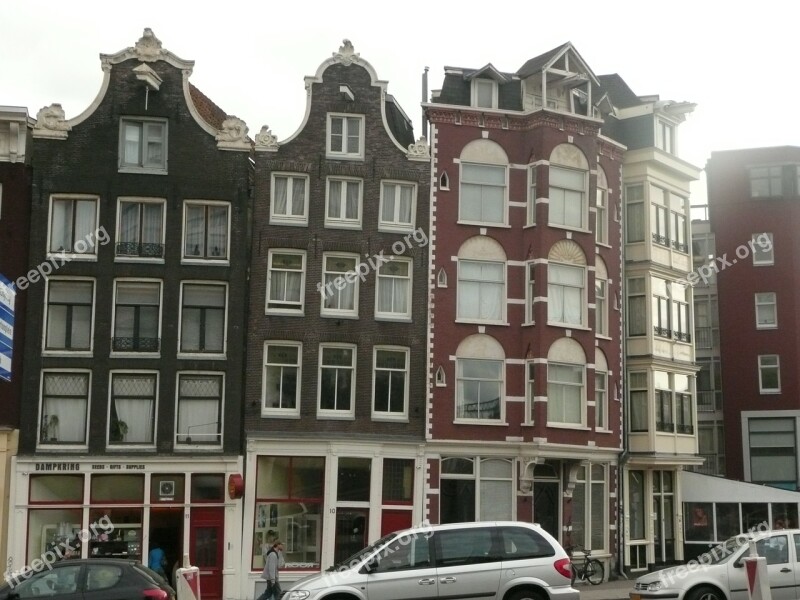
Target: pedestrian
column 157, row 560
column 272, row 563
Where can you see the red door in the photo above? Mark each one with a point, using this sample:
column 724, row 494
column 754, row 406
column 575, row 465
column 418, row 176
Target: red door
column 206, row 549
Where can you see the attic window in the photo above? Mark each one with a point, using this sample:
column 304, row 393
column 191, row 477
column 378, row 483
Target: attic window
column 444, row 181
column 441, row 278
column 484, row 93
column 440, row 377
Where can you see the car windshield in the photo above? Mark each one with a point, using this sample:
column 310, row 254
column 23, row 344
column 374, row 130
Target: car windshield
column 361, row 554
column 720, row 554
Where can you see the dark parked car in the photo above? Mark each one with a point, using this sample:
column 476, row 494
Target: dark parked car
column 89, row 579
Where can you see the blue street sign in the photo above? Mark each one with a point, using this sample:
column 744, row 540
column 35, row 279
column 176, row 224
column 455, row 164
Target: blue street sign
column 7, row 294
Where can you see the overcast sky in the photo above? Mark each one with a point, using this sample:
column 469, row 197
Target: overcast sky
column 251, row 58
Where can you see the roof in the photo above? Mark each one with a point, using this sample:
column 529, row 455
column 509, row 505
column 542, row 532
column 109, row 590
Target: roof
column 618, row 91
column 211, row 113
column 535, row 64
column 709, row 488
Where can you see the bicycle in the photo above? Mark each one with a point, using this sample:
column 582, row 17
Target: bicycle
column 590, row 569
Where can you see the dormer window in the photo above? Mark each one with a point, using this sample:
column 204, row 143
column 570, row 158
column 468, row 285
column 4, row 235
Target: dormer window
column 665, row 136
column 484, row 93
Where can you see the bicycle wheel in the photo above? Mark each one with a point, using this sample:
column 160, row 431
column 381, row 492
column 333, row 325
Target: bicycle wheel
column 594, row 571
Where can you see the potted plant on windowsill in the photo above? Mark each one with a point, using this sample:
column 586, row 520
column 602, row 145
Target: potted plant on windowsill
column 50, row 429
column 119, row 430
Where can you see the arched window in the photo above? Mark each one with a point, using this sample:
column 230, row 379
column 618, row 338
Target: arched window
column 566, row 284
column 480, row 379
column 481, row 281
column 568, row 187
column 601, row 208
column 600, row 297
column 484, row 184
column 600, row 390
column 566, row 383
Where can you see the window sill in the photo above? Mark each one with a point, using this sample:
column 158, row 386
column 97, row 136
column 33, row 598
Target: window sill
column 329, row 415
column 288, row 223
column 200, row 356
column 482, row 224
column 492, row 422
column 393, row 319
column 389, row 418
column 217, row 262
column 113, row 354
column 62, row 447
column 766, row 327
column 602, row 430
column 68, row 353
column 343, row 225
column 575, row 426
column 603, row 244
column 529, row 226
column 528, row 324
column 569, row 228
column 277, row 414
column 138, row 259
column 114, row 447
column 569, row 326
column 197, row 448
column 66, row 257
column 351, row 317
column 334, row 156
column 143, row 170
column 764, row 264
column 387, row 228
column 769, row 392
column 480, row 322
column 603, row 337
column 284, row 313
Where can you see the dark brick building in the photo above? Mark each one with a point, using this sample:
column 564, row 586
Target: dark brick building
column 336, row 349
column 15, row 208
column 137, row 289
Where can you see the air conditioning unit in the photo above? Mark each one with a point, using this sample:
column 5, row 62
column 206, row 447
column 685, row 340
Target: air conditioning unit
column 166, row 489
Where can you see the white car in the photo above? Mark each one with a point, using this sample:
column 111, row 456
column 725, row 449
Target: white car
column 719, row 574
column 480, row 561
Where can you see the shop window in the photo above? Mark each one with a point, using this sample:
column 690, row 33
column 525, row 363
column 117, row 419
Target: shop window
column 121, row 536
column 167, row 488
column 353, row 480
column 117, row 488
column 589, row 513
column 208, row 488
column 699, row 521
column 53, row 489
column 49, row 529
column 476, row 490
column 398, row 481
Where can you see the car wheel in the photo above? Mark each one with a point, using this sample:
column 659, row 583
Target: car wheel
column 526, row 594
column 705, row 593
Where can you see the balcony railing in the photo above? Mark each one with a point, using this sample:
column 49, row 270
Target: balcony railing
column 666, row 427
column 144, row 250
column 662, row 332
column 706, row 337
column 135, row 344
column 661, row 240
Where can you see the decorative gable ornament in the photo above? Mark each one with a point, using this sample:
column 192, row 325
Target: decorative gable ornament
column 148, row 48
column 233, row 135
column 148, row 76
column 420, row 150
column 266, row 141
column 50, row 123
column 346, row 55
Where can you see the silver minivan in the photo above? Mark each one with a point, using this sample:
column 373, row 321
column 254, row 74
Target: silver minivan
column 479, row 561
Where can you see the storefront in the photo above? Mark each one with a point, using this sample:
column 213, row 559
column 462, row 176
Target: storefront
column 715, row 509
column 325, row 501
column 123, row 508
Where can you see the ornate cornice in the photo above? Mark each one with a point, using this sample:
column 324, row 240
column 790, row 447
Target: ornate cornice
column 50, row 123
column 266, row 141
column 147, row 49
column 515, row 122
column 233, row 135
column 420, row 150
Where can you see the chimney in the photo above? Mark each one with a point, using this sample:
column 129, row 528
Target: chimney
column 424, row 99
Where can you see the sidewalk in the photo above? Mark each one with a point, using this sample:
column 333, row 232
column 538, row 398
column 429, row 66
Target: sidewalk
column 608, row 590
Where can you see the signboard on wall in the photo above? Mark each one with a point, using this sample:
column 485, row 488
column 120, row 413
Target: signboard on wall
column 7, row 295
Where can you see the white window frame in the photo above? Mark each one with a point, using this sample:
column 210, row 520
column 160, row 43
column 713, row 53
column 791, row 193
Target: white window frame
column 530, row 391
column 531, row 210
column 271, row 269
column 143, row 165
column 205, row 258
column 47, row 321
column 200, row 353
column 601, row 216
column 343, row 222
column 194, row 446
column 465, row 180
column 279, row 410
column 334, row 413
column 475, row 92
column 758, row 252
column 288, row 218
column 132, row 353
column 766, row 301
column 395, row 224
column 665, row 136
column 89, row 238
column 140, row 256
column 601, row 401
column 479, row 318
column 459, row 395
column 583, row 193
column 530, row 292
column 382, row 277
column 582, row 387
column 763, row 365
column 331, row 288
column 771, row 175
column 582, row 288
column 132, row 372
column 343, row 153
column 88, row 400
column 387, row 415
column 601, row 289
